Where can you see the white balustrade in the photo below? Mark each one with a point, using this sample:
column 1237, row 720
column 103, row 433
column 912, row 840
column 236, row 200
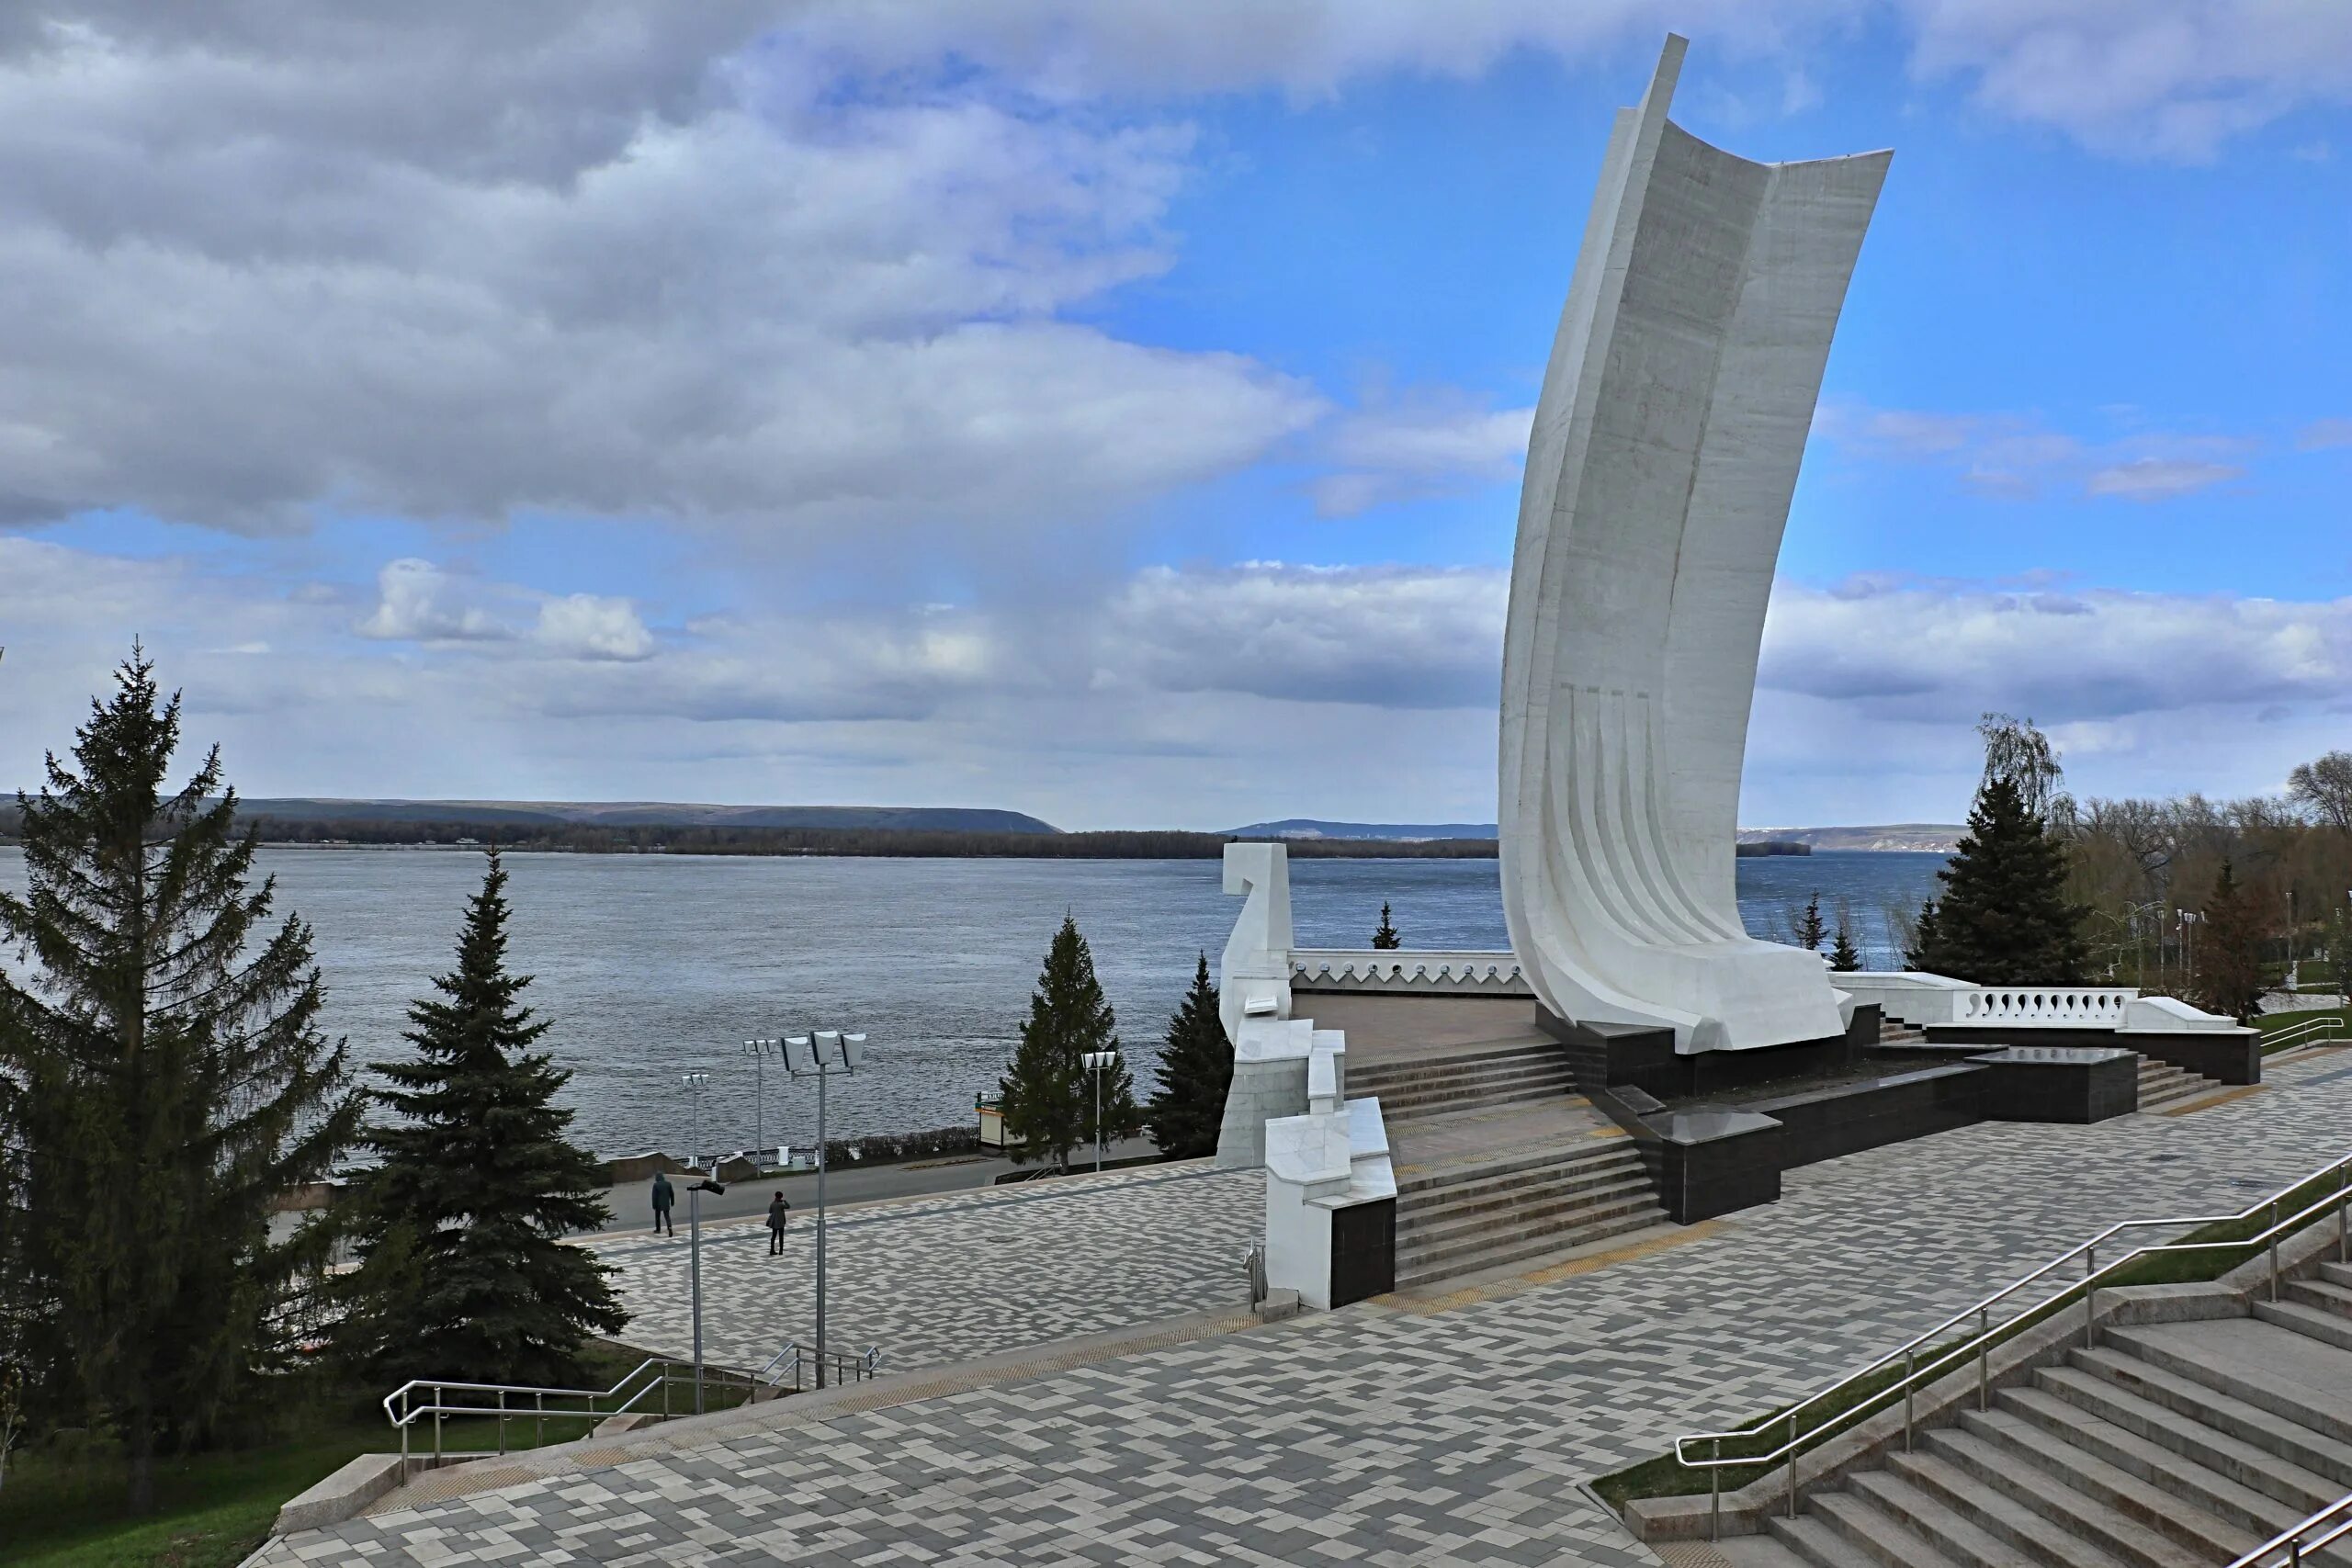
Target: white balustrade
column 1452, row 972
column 2045, row 1007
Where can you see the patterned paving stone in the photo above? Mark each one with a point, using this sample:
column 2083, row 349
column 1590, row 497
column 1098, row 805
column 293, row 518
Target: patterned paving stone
column 1384, row 1435
column 945, row 1279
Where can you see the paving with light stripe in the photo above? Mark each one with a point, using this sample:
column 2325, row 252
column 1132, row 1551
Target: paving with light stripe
column 1442, row 1433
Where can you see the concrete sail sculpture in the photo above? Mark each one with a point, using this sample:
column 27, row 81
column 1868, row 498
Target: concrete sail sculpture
column 1674, row 414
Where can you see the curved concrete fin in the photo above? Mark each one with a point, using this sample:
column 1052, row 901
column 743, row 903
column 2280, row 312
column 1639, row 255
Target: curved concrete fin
column 1660, row 466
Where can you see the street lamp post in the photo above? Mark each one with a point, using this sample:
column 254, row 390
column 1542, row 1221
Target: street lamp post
column 692, row 1084
column 820, row 1053
column 760, row 1051
column 694, row 1255
column 1097, row 1064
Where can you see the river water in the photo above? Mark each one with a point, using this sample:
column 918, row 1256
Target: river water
column 651, row 966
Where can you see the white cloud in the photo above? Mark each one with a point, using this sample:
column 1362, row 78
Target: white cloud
column 575, row 259
column 2010, row 456
column 418, row 602
column 2155, row 478
column 593, row 626
column 2171, row 79
column 2320, row 435
column 1948, row 651
column 1423, row 446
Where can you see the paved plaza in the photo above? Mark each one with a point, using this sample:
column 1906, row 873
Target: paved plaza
column 945, row 1279
column 1440, row 1432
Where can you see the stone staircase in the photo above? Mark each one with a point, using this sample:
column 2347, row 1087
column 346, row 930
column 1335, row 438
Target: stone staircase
column 2177, row 1445
column 1894, row 1031
column 2161, row 1083
column 1464, row 1080
column 1468, row 1217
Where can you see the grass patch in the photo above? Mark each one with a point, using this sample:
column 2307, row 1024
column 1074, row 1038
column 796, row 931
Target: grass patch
column 61, row 1506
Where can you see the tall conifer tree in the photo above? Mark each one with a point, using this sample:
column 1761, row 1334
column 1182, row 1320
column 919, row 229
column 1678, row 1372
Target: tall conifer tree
column 1844, row 957
column 1048, row 1096
column 168, row 1081
column 1384, row 937
column 1196, row 1070
column 2229, row 952
column 464, row 1273
column 1810, row 929
column 2005, row 919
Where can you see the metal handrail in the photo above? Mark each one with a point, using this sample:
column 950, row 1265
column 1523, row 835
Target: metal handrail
column 2291, row 1541
column 665, row 1371
column 847, row 1366
column 1981, row 1343
column 2287, row 1038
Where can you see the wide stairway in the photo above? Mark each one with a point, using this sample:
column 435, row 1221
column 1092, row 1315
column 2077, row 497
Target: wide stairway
column 2182, row 1445
column 1499, row 1160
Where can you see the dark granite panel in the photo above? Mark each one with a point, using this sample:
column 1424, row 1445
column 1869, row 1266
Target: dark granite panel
column 1363, row 1251
column 1825, row 1124
column 2062, row 1083
column 2225, row 1056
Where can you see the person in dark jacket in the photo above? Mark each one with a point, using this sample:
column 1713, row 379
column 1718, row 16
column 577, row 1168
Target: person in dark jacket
column 778, row 1209
column 665, row 1197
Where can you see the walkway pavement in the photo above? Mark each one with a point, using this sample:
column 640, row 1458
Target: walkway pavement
column 933, row 1280
column 1437, row 1432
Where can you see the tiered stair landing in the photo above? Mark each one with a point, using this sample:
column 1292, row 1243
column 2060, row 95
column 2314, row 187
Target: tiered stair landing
column 2169, row 1446
column 1498, row 1160
column 2161, row 1083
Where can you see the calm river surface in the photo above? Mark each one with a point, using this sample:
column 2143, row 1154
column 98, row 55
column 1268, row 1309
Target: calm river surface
column 653, row 965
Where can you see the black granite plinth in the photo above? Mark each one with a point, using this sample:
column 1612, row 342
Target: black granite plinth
column 1715, row 1161
column 1845, row 1119
column 1608, row 1054
column 2059, row 1083
column 2225, row 1056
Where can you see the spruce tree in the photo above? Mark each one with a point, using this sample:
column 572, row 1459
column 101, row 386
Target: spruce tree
column 1383, row 936
column 1048, row 1097
column 1843, row 956
column 464, row 1274
column 2005, row 919
column 169, row 1082
column 1195, row 1069
column 1811, row 931
column 2229, row 952
column 1924, row 937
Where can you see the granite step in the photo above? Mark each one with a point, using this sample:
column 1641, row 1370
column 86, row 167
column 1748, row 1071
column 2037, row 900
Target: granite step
column 2272, row 1368
column 2188, row 1399
column 2099, row 1417
column 2016, row 1529
column 1420, row 1272
column 2312, row 1322
column 1438, row 1242
column 1453, row 1062
column 1420, row 1103
column 1821, row 1544
column 1764, row 1551
column 1894, row 1520
column 1433, row 1228
column 2133, row 1520
column 2336, row 1274
column 1535, row 1160
column 1542, row 1181
column 2324, row 1293
column 2052, row 1420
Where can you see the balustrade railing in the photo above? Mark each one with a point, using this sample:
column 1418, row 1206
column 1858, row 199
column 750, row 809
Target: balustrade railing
column 1371, row 969
column 2047, row 1007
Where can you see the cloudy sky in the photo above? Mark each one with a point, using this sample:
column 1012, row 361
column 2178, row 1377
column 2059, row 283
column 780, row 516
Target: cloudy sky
column 1115, row 411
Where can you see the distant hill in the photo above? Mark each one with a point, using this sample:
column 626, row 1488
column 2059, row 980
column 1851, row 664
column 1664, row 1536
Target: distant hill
column 1307, row 828
column 1935, row 838
column 650, row 814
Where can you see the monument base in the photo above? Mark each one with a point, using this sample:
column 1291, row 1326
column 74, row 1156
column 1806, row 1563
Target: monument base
column 1610, row 1054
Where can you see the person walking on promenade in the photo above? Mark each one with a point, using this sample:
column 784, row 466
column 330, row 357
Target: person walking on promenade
column 665, row 1197
column 778, row 1211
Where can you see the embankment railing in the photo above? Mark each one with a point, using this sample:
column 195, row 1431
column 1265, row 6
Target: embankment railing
column 1853, row 1397
column 639, row 1390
